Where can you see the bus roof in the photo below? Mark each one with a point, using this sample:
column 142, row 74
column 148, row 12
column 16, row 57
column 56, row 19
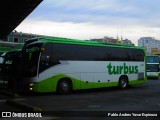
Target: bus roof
column 47, row 39
column 152, row 55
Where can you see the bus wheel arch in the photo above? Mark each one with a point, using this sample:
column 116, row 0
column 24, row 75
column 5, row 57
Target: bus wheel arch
column 123, row 82
column 64, row 86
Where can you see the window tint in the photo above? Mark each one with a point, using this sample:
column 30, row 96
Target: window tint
column 47, row 57
column 95, row 53
column 30, row 59
column 152, row 68
column 137, row 55
column 53, row 53
column 152, row 59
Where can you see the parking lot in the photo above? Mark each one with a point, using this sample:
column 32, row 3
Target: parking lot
column 90, row 103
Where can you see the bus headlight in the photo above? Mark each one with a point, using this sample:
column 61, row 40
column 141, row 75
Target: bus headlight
column 31, row 84
column 30, row 89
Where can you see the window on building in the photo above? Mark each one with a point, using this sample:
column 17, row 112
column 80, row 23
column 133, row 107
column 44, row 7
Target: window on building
column 24, row 40
column 15, row 40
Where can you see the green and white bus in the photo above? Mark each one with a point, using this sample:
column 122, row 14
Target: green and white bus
column 61, row 65
column 152, row 62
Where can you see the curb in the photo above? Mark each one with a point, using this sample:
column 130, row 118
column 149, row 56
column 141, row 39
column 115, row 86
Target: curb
column 23, row 106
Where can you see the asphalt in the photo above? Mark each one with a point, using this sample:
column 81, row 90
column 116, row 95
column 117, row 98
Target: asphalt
column 23, row 105
column 15, row 100
column 137, row 98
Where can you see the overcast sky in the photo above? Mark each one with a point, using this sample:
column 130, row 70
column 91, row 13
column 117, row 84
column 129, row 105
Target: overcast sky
column 87, row 19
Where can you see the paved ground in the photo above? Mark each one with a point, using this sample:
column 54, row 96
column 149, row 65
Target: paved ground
column 142, row 97
column 139, row 98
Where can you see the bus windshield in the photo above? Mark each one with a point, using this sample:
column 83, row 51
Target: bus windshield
column 152, row 59
column 152, row 67
column 30, row 60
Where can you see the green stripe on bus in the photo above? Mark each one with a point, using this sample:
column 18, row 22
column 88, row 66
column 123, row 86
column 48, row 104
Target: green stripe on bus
column 50, row 84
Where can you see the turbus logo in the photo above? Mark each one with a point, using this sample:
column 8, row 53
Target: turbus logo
column 124, row 69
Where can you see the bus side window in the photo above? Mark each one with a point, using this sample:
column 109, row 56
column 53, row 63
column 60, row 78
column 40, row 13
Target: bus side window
column 47, row 58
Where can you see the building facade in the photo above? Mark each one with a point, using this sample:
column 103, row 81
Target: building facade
column 151, row 45
column 106, row 39
column 19, row 37
column 127, row 42
column 111, row 40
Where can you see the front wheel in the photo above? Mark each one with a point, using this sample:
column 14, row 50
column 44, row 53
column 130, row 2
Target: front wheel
column 123, row 83
column 64, row 87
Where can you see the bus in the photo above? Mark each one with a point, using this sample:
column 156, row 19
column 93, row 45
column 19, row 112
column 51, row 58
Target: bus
column 53, row 64
column 6, row 68
column 153, row 65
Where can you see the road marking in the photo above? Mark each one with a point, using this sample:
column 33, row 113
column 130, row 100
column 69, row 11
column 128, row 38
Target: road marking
column 2, row 101
column 20, row 99
column 95, row 106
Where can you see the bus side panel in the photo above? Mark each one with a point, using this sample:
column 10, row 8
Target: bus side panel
column 87, row 79
column 103, row 80
column 90, row 74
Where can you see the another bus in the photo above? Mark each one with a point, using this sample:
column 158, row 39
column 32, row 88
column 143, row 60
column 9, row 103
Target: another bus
column 6, row 66
column 61, row 65
column 152, row 66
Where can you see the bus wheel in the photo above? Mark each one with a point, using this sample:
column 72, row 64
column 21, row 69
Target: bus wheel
column 123, row 82
column 64, row 86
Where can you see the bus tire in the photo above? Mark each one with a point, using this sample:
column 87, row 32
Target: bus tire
column 123, row 82
column 64, row 86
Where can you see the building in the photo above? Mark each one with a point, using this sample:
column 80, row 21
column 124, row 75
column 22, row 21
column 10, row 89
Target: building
column 106, row 39
column 97, row 40
column 15, row 40
column 19, row 37
column 127, row 42
column 111, row 40
column 151, row 44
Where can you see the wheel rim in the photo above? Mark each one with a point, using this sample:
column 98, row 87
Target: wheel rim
column 65, row 86
column 123, row 83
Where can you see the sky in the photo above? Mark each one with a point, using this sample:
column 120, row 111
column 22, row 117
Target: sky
column 89, row 19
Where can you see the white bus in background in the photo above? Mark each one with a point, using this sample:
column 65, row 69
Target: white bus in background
column 153, row 69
